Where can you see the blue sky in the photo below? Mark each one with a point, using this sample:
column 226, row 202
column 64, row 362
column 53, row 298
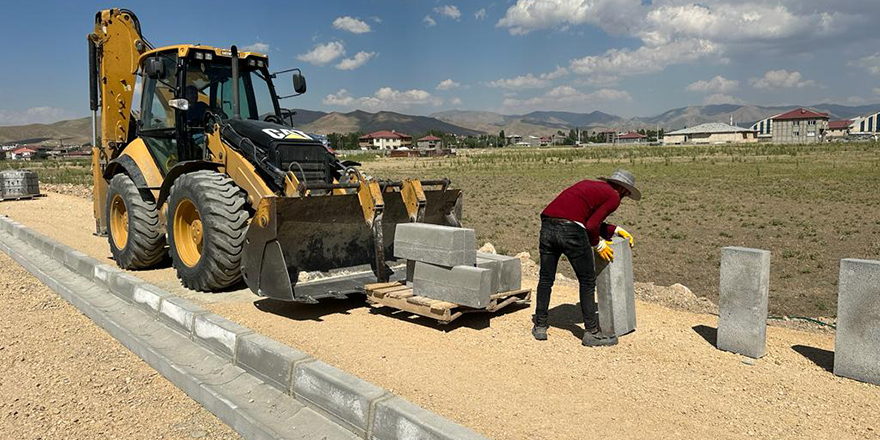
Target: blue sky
column 627, row 57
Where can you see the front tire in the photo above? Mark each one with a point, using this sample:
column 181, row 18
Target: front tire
column 136, row 236
column 206, row 223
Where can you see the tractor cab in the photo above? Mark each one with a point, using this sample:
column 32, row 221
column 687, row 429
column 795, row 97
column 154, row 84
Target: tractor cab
column 187, row 88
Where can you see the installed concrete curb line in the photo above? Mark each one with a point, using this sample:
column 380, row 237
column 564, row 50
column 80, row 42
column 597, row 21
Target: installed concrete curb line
column 238, row 360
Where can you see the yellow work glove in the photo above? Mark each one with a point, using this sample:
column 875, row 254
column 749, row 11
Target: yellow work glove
column 604, row 250
column 626, row 235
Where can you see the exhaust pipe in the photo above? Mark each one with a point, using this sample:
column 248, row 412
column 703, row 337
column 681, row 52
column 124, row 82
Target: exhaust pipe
column 236, row 104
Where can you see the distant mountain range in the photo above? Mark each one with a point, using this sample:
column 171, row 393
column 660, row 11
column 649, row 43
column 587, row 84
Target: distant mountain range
column 467, row 122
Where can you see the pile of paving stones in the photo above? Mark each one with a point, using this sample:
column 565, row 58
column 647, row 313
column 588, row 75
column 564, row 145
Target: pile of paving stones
column 443, row 264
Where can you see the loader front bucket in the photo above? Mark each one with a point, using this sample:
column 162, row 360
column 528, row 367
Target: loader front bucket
column 321, row 233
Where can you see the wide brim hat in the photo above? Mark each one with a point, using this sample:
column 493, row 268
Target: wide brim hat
column 625, row 179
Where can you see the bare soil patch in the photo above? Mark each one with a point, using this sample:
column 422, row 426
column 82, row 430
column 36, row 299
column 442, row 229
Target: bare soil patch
column 64, row 377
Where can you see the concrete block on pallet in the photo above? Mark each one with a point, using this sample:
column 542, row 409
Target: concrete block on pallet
column 338, row 394
column 410, row 271
column 510, row 278
column 495, row 267
column 435, row 244
column 179, row 313
column 218, row 333
column 398, row 419
column 857, row 340
column 742, row 305
column 267, row 359
column 615, row 290
column 466, row 285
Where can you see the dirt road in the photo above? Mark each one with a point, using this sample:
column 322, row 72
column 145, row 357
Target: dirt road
column 666, row 380
column 64, row 377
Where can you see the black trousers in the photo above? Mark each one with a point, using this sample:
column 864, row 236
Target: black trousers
column 559, row 238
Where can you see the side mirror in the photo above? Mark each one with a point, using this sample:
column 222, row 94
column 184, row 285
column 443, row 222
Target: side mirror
column 155, row 68
column 180, row 104
column 299, row 83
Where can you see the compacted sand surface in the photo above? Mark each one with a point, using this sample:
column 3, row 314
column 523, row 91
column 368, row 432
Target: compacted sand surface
column 666, row 380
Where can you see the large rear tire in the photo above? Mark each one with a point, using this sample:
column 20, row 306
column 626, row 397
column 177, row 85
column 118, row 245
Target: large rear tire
column 206, row 222
column 136, row 236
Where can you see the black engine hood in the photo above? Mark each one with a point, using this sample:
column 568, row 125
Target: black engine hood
column 265, row 133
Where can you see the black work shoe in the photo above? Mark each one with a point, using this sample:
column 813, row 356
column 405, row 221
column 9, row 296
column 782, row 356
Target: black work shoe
column 540, row 333
column 595, row 338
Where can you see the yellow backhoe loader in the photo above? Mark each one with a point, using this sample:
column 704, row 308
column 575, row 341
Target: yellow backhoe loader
column 208, row 167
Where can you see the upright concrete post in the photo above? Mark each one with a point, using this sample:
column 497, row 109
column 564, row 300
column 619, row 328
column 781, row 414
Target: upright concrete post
column 742, row 316
column 857, row 342
column 616, row 291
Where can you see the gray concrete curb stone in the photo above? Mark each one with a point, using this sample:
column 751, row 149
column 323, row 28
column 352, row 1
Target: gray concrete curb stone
column 336, row 393
column 179, row 313
column 267, row 359
column 398, row 419
column 218, row 333
column 149, row 298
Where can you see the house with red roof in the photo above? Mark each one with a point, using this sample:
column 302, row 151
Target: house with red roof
column 430, row 143
column 23, row 153
column 800, row 126
column 385, row 140
column 838, row 128
column 631, row 137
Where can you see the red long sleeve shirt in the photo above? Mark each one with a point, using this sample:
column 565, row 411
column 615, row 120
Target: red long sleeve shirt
column 588, row 202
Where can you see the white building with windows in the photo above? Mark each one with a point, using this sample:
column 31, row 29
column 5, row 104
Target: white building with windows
column 764, row 128
column 865, row 125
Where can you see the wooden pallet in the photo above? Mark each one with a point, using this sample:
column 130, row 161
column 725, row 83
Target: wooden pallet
column 401, row 297
column 12, row 198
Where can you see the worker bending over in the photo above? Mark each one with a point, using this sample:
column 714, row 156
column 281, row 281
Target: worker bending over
column 573, row 224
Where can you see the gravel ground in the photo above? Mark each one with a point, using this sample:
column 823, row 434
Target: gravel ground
column 666, row 380
column 64, row 377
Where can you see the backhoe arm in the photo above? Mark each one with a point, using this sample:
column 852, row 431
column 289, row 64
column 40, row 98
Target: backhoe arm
column 114, row 47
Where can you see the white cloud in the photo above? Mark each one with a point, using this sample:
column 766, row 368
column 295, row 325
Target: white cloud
column 877, row 91
column 645, row 59
column 528, row 81
column 351, row 24
column 448, row 84
column 34, row 115
column 717, row 84
column 855, row 100
column 871, row 63
column 455, row 101
column 385, row 98
column 377, row 20
column 721, row 98
column 556, row 74
column 450, row 11
column 429, row 22
column 776, row 79
column 597, row 80
column 567, row 98
column 358, row 60
column 256, row 47
column 322, row 54
column 613, row 16
column 480, row 15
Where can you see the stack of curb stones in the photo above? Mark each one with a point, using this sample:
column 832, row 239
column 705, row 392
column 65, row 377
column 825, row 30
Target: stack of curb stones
column 443, row 264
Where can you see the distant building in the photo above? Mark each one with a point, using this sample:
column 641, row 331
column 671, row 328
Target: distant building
column 866, row 125
column 838, row 128
column 23, row 153
column 545, row 141
column 764, row 128
column 430, row 142
column 711, row 133
column 800, row 126
column 514, row 139
column 385, row 140
column 631, row 138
